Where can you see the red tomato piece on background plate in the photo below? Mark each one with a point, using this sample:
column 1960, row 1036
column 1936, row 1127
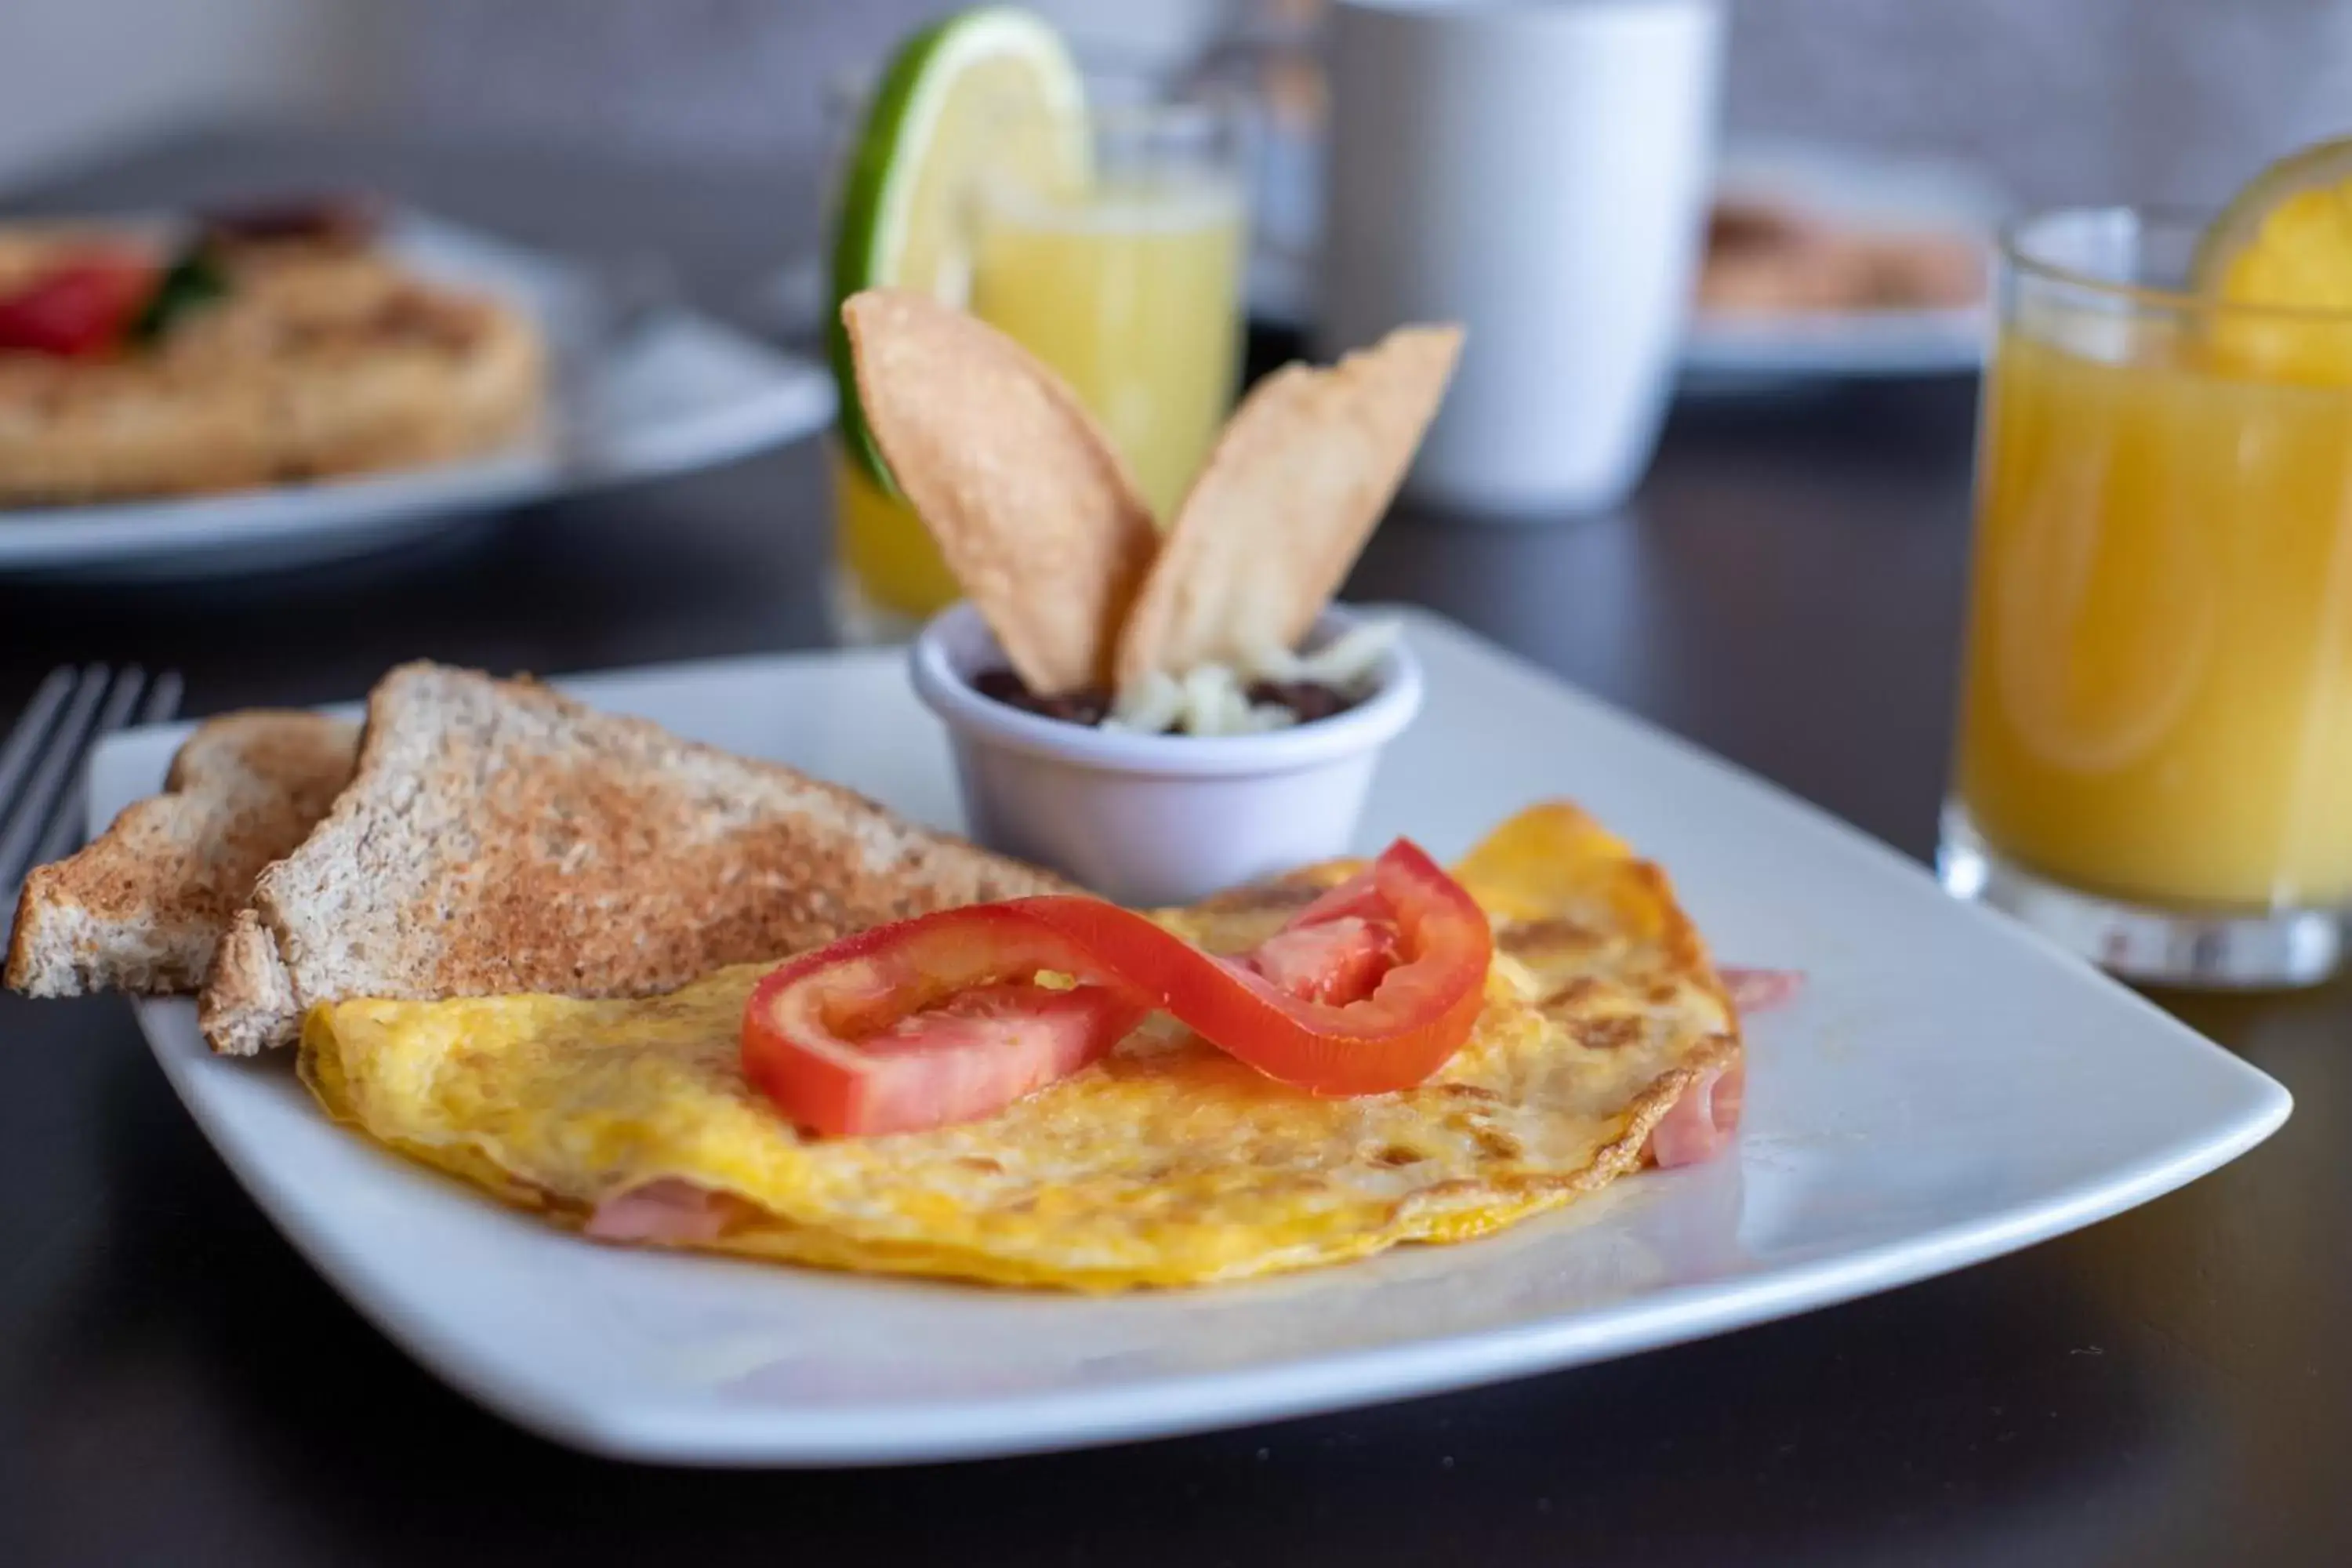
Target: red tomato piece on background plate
column 78, row 307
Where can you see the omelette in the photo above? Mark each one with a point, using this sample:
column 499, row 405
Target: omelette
column 1166, row 1163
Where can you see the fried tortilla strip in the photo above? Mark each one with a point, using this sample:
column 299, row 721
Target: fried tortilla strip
column 1284, row 507
column 1034, row 510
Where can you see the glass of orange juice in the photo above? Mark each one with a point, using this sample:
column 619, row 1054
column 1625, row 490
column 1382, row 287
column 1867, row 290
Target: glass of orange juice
column 2153, row 759
column 1127, row 282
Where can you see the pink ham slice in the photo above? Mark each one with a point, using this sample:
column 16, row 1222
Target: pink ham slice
column 665, row 1212
column 1754, row 990
column 1706, row 1118
column 1703, row 1123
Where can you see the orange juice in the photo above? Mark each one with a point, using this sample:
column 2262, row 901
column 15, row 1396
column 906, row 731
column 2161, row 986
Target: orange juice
column 2159, row 683
column 882, row 545
column 1133, row 295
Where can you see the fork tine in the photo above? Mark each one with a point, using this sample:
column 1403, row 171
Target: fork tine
column 65, row 835
column 52, row 770
column 162, row 702
column 16, row 752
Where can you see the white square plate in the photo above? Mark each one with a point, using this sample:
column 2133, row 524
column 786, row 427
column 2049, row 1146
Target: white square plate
column 1946, row 1089
column 682, row 391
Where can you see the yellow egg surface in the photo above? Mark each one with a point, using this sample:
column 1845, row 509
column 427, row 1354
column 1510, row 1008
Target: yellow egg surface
column 1167, row 1163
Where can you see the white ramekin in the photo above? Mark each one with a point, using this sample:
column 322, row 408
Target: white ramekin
column 1156, row 819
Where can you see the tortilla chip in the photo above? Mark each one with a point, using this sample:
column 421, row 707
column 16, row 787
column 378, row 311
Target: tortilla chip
column 1034, row 510
column 1288, row 497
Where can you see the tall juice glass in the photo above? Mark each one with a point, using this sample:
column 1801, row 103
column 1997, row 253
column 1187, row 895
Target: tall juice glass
column 2154, row 760
column 1130, row 289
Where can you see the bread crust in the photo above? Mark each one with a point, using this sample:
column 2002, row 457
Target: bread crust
column 499, row 837
column 144, row 906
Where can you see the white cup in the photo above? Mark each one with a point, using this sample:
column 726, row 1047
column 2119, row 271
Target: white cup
column 1539, row 171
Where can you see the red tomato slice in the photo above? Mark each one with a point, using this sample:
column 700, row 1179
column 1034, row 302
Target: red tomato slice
column 940, row 1019
column 78, row 307
column 1335, row 961
column 1417, row 1016
column 925, row 1022
column 1359, row 894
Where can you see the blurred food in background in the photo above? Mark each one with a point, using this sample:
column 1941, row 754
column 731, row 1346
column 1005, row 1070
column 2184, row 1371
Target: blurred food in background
column 1827, row 262
column 1811, row 228
column 222, row 389
column 1765, row 257
column 251, row 346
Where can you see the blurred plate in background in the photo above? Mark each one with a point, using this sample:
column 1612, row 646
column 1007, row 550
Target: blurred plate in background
column 1757, row 351
column 643, row 387
column 1866, row 192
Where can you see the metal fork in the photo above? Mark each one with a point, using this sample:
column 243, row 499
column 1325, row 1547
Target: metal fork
column 42, row 786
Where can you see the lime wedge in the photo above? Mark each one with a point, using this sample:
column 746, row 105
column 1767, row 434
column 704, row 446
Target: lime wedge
column 985, row 94
column 2285, row 242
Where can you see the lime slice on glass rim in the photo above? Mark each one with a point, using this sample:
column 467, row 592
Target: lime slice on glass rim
column 985, row 93
column 2285, row 242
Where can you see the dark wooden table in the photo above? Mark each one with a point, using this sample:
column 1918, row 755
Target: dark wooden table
column 2172, row 1386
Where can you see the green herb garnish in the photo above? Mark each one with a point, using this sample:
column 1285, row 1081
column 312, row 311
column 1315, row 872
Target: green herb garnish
column 193, row 280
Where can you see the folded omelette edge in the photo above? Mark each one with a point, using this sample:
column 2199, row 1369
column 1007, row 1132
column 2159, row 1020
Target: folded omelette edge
column 1167, row 1163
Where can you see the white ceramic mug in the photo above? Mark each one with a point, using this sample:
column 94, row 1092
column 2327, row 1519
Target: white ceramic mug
column 1539, row 171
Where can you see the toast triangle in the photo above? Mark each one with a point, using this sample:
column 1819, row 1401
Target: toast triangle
column 499, row 837
column 144, row 906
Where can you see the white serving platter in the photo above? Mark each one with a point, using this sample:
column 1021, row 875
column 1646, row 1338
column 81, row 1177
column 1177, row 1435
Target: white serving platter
column 1946, row 1089
column 674, row 392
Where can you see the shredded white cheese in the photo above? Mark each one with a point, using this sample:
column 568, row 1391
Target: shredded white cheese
column 1345, row 663
column 1213, row 699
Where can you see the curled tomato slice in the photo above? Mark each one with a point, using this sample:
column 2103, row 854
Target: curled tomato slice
column 78, row 307
column 944, row 1018
column 1410, row 1020
column 1339, row 961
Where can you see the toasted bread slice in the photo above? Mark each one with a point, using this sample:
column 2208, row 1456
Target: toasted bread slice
column 499, row 837
column 1032, row 508
column 1285, row 504
column 146, row 906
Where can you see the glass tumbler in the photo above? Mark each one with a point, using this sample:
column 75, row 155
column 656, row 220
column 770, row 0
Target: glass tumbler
column 2154, row 756
column 1131, row 288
